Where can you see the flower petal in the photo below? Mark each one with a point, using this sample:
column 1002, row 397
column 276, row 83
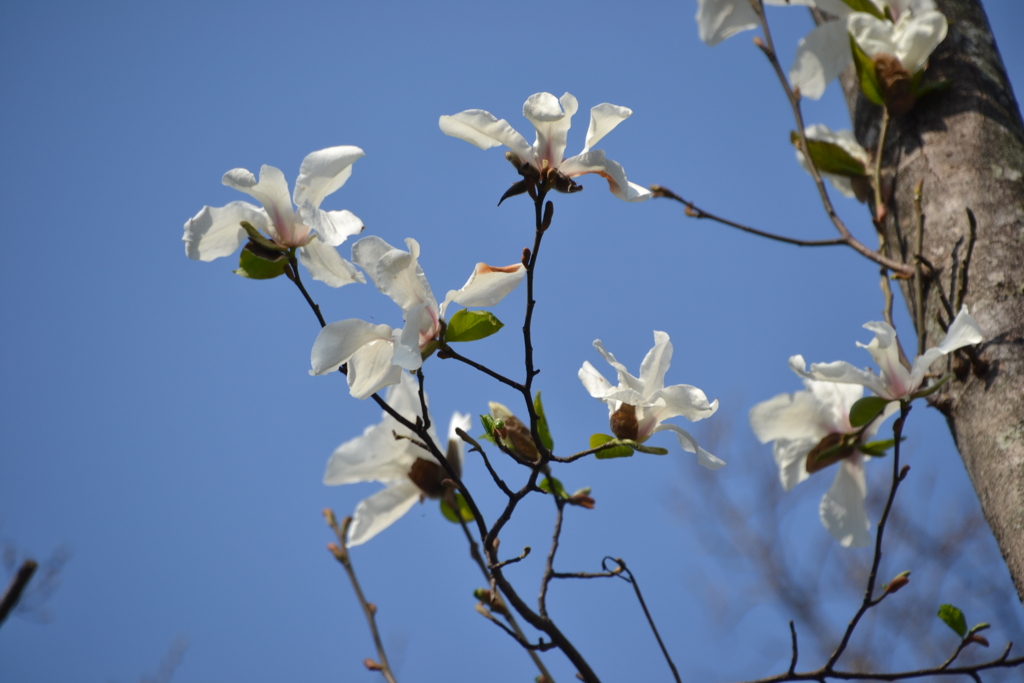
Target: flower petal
column 338, row 342
column 791, row 459
column 873, row 35
column 376, row 455
column 332, row 227
column 370, row 369
column 680, row 400
column 963, row 332
column 486, row 286
column 551, row 118
column 656, row 363
column 842, row 507
column 407, row 341
column 626, row 380
column 217, row 231
column 482, row 129
column 689, row 444
column 917, row 36
column 821, row 56
column 788, row 416
column 594, row 161
column 396, row 273
column 603, row 119
column 326, row 265
column 885, row 349
column 456, row 451
column 841, row 372
column 272, row 192
column 323, row 172
column 594, row 382
column 381, row 510
column 721, row 19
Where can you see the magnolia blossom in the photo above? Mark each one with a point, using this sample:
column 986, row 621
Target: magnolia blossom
column 806, row 423
column 217, row 231
column 721, row 19
column 911, row 40
column 638, row 406
column 376, row 354
column 896, row 382
column 386, row 453
column 847, row 142
column 551, row 117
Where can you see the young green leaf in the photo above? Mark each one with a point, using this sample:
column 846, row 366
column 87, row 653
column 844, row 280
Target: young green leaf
column 488, row 422
column 954, row 619
column 876, row 449
column 866, row 6
column 542, row 424
column 867, row 409
column 453, row 516
column 257, row 263
column 619, row 451
column 467, row 326
column 866, row 75
column 552, row 485
column 829, row 157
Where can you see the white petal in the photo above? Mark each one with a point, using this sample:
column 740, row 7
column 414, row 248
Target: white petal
column 873, row 35
column 482, row 129
column 841, row 372
column 401, row 278
column 656, row 363
column 884, row 348
column 272, row 192
column 963, row 332
column 917, row 36
column 680, row 400
column 465, row 423
column 217, row 231
column 486, row 286
column 603, row 119
column 326, row 265
column 626, row 380
column 323, row 172
column 720, row 19
column 407, row 342
column 332, row 227
column 370, row 368
column 367, row 252
column 689, row 444
column 381, row 510
column 593, row 381
column 821, row 56
column 551, row 118
column 594, row 161
column 376, row 455
column 842, row 507
column 787, row 416
column 338, row 342
column 791, row 459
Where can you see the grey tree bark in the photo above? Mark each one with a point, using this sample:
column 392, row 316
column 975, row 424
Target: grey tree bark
column 967, row 145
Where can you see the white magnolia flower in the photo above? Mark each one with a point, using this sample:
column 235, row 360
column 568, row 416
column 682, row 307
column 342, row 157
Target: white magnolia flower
column 846, row 141
column 803, row 425
column 721, row 19
column 912, row 39
column 386, row 454
column 551, row 117
column 217, row 231
column 376, row 354
column 638, row 406
column 896, row 382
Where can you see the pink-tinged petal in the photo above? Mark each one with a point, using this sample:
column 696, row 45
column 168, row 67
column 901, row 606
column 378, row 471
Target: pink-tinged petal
column 407, row 342
column 626, row 380
column 323, row 172
column 332, row 227
column 917, row 36
column 656, row 363
column 884, row 348
column 381, row 510
column 788, row 416
column 841, row 372
column 272, row 192
column 486, row 286
column 821, row 56
column 791, row 459
column 217, row 231
column 594, row 161
column 376, row 455
column 551, row 118
column 834, row 403
column 689, row 444
column 370, row 368
column 842, row 507
column 594, row 382
column 481, row 128
column 325, row 264
column 603, row 119
column 338, row 342
column 465, row 423
column 873, row 35
column 721, row 19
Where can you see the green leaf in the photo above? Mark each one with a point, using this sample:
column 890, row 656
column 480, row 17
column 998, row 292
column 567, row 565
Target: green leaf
column 453, row 516
column 653, row 450
column 618, row 451
column 979, row 627
column 552, row 485
column 869, row 84
column 829, row 157
column 933, row 388
column 467, row 326
column 542, row 424
column 867, row 409
column 257, row 263
column 488, row 422
column 866, row 6
column 877, row 449
column 954, row 619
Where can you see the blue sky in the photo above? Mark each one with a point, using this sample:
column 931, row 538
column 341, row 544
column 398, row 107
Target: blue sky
column 157, row 416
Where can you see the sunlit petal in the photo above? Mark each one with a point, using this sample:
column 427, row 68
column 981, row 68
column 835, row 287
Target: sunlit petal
column 217, row 231
column 381, row 510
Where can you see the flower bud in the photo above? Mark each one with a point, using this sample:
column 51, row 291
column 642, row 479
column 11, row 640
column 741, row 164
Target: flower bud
column 975, row 638
column 514, row 435
column 623, row 422
column 898, row 582
column 372, row 665
column 429, row 477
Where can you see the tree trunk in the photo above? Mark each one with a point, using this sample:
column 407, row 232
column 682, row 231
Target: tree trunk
column 967, row 145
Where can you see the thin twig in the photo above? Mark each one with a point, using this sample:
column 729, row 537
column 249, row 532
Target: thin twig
column 447, row 351
column 542, row 600
column 918, row 274
column 582, row 454
column 962, row 272
column 522, row 556
column 16, row 588
column 292, row 271
column 792, row 662
column 487, row 461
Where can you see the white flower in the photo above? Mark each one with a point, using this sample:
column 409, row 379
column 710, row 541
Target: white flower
column 638, row 406
column 376, row 354
column 912, row 39
column 843, row 139
column 721, row 19
column 217, row 231
column 551, row 117
column 806, row 423
column 896, row 382
column 386, row 454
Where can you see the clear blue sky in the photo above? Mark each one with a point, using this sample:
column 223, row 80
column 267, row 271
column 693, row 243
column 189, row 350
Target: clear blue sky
column 156, row 416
